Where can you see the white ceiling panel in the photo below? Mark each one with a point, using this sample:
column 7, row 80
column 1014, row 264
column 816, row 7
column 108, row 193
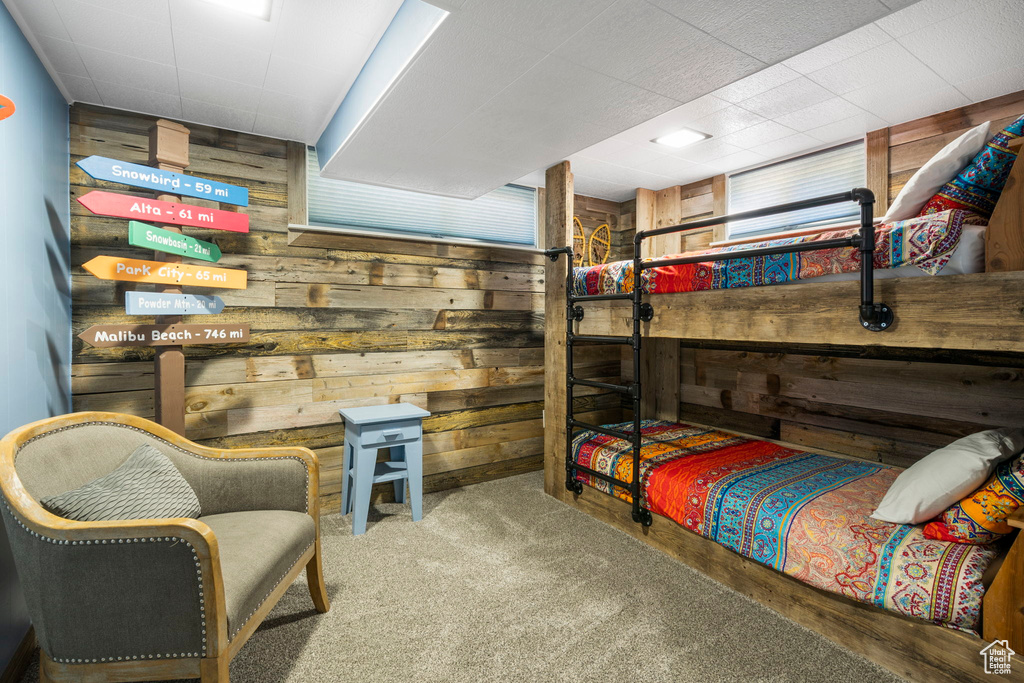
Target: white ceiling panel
column 929, row 57
column 208, row 64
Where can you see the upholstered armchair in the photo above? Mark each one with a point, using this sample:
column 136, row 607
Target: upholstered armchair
column 155, row 599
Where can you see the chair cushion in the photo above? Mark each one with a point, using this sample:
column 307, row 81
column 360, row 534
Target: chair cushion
column 145, row 486
column 257, row 548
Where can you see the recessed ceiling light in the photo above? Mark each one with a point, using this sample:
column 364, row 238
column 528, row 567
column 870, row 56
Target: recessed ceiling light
column 681, row 138
column 255, row 8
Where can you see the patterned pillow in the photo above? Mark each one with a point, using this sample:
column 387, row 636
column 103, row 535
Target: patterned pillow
column 981, row 517
column 145, row 486
column 978, row 186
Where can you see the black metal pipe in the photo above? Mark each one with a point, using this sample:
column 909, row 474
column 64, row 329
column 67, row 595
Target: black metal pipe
column 751, row 253
column 570, row 479
column 601, row 339
column 638, row 299
column 622, row 389
column 600, row 430
column 602, row 297
column 600, row 475
column 867, row 253
column 754, row 213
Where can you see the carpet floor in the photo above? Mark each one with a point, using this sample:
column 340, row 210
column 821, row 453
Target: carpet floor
column 500, row 582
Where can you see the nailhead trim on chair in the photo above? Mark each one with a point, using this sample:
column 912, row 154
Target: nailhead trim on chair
column 264, row 598
column 104, row 541
column 164, row 441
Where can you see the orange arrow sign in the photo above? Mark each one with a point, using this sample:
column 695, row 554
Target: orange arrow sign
column 159, row 272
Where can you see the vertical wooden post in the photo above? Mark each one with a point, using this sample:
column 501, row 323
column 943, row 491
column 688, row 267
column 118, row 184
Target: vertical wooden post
column 644, row 220
column 719, row 206
column 1004, row 238
column 168, row 151
column 876, row 150
column 558, row 203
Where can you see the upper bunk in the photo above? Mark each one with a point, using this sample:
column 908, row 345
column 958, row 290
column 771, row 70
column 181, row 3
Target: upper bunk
column 975, row 311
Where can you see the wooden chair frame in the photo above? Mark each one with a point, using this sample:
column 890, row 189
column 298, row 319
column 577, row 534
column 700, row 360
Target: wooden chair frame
column 213, row 668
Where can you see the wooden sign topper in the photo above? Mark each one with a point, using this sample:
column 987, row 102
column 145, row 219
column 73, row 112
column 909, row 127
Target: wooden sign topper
column 136, row 175
column 105, row 336
column 140, row 208
column 163, row 273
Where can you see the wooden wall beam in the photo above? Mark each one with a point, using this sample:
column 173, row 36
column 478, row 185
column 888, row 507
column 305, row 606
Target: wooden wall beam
column 720, row 204
column 558, row 196
column 298, row 212
column 643, row 218
column 1004, row 238
column 876, row 144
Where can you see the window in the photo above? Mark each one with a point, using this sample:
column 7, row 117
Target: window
column 831, row 171
column 507, row 215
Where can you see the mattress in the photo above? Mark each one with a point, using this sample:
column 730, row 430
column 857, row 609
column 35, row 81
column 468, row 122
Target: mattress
column 804, row 514
column 951, row 242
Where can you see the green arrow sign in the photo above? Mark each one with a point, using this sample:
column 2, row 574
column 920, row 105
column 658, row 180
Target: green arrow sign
column 158, row 239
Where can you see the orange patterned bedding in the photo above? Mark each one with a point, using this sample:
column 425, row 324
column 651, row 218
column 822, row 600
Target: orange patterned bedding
column 804, row 514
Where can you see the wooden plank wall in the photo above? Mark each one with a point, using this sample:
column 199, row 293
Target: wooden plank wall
column 336, row 321
column 885, row 405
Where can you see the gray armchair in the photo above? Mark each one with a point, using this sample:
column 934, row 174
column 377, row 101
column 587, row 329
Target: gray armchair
column 155, row 599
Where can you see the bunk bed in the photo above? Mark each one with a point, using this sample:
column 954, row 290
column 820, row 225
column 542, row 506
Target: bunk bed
column 660, row 474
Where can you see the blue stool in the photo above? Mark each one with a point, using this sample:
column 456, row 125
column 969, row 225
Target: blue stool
column 396, row 426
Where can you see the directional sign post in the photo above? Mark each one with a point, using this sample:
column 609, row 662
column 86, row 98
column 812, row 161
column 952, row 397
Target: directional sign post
column 158, row 239
column 163, row 273
column 102, row 168
column 166, row 303
column 140, row 208
column 177, row 334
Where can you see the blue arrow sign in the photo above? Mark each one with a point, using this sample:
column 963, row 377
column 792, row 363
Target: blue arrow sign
column 136, row 175
column 159, row 303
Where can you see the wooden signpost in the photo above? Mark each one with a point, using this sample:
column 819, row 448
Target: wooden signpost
column 136, row 175
column 175, row 334
column 140, row 208
column 162, row 303
column 158, row 239
column 164, row 273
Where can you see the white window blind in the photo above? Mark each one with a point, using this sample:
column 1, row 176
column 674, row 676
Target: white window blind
column 830, row 171
column 507, row 215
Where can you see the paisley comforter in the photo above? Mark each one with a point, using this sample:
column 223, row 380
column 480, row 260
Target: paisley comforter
column 927, row 242
column 801, row 513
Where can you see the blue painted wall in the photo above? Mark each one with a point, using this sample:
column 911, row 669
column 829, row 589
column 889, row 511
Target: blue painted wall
column 35, row 279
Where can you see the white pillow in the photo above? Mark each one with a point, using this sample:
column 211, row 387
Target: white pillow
column 939, row 170
column 943, row 477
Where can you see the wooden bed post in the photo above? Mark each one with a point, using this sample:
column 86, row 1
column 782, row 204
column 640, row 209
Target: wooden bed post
column 659, row 361
column 1004, row 237
column 558, row 211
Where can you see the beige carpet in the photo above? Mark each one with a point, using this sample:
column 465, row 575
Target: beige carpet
column 500, row 582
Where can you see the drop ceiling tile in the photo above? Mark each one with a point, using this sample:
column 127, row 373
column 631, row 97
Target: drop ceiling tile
column 63, row 56
column 624, row 105
column 685, row 75
column 219, row 91
column 142, row 101
column 117, row 68
column 484, row 60
column 635, row 156
column 788, row 146
column 280, row 106
column 993, row 84
column 215, row 115
column 674, row 119
column 116, row 32
column 42, row 16
column 619, row 175
column 151, row 10
column 920, row 15
column 534, row 179
column 847, row 129
column 302, row 80
column 986, row 41
column 629, row 38
column 728, row 120
column 897, row 102
column 876, row 64
column 80, row 89
column 736, row 162
column 836, row 50
column 833, row 109
column 604, row 148
column 757, row 134
column 201, row 17
column 757, row 83
column 203, row 53
column 773, row 30
column 669, row 166
column 566, row 139
column 283, row 129
column 602, row 189
column 539, row 23
column 786, row 98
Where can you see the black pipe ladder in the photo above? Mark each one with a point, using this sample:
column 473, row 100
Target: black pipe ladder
column 875, row 317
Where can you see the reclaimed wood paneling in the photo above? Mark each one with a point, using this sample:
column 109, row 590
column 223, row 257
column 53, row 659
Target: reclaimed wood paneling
column 336, row 320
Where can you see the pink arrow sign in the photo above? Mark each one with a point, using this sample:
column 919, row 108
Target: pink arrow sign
column 156, row 211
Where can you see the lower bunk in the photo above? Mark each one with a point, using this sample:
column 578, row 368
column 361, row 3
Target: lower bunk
column 793, row 530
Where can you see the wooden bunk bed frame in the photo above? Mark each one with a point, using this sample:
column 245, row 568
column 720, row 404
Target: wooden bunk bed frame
column 989, row 317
